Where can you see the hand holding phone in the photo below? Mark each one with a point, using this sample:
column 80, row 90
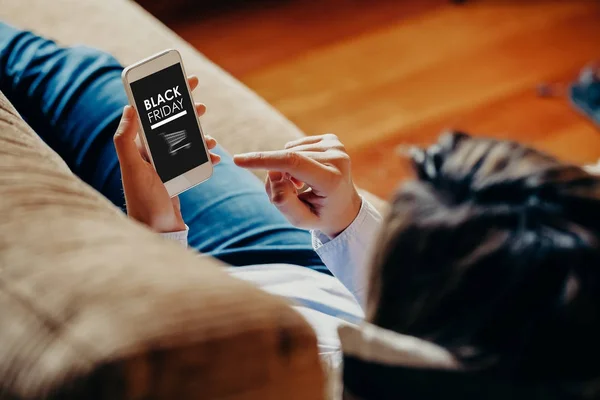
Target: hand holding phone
column 147, row 199
column 170, row 131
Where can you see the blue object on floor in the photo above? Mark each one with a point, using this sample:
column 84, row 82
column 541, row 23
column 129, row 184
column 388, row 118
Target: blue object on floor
column 585, row 93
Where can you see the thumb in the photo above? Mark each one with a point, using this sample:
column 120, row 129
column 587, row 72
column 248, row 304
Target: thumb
column 124, row 139
column 284, row 196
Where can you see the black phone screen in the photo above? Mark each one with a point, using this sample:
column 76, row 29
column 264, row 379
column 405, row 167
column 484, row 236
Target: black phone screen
column 170, row 123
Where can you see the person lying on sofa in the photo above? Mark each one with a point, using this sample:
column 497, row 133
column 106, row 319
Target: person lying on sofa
column 490, row 253
column 74, row 99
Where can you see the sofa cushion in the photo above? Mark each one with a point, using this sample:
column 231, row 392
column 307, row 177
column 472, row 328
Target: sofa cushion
column 96, row 306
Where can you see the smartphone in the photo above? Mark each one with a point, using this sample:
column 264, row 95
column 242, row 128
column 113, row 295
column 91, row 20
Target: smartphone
column 157, row 88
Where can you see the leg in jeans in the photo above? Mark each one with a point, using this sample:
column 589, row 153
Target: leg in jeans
column 73, row 98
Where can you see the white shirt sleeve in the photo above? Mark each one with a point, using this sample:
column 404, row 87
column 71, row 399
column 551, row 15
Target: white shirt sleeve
column 346, row 255
column 179, row 236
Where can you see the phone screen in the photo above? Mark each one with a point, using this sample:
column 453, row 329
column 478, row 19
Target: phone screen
column 169, row 120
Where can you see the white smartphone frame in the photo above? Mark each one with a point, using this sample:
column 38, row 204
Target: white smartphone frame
column 141, row 70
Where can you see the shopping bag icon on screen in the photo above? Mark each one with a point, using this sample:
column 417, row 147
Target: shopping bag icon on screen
column 176, row 141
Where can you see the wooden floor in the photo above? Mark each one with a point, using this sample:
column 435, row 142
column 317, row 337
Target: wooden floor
column 390, row 73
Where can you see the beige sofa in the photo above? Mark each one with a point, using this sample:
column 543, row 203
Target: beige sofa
column 96, row 307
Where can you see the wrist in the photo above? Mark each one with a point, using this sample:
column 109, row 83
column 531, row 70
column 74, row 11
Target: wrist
column 161, row 224
column 179, row 226
column 352, row 210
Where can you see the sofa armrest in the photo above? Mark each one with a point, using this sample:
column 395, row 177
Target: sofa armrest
column 96, row 306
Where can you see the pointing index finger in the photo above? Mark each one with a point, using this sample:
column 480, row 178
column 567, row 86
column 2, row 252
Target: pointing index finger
column 296, row 164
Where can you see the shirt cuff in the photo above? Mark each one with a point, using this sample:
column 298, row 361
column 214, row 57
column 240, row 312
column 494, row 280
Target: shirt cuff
column 320, row 240
column 179, row 236
column 346, row 255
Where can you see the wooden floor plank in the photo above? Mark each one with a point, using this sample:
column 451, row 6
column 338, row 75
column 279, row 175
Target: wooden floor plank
column 403, row 81
column 258, row 34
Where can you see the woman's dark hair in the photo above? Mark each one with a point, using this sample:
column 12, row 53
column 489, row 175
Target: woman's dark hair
column 494, row 253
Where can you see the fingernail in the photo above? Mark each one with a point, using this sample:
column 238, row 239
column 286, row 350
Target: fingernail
column 127, row 110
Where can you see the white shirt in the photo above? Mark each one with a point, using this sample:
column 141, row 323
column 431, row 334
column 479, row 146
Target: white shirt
column 324, row 301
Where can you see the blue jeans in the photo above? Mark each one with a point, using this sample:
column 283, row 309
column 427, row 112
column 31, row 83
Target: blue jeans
column 73, row 98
